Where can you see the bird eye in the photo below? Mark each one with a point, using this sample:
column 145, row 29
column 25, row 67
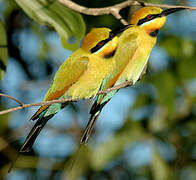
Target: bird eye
column 101, row 43
column 149, row 17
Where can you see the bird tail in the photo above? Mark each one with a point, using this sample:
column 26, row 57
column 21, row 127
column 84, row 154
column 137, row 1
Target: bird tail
column 30, row 139
column 95, row 112
column 42, row 116
column 89, row 127
column 42, row 119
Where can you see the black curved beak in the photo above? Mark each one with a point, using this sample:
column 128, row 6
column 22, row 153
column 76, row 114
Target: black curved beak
column 166, row 12
column 119, row 30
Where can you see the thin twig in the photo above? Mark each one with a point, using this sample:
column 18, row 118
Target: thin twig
column 10, row 97
column 36, row 104
column 60, row 100
column 116, row 14
column 117, row 87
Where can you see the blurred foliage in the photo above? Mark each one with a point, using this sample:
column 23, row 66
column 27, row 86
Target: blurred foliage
column 66, row 22
column 3, row 50
column 157, row 139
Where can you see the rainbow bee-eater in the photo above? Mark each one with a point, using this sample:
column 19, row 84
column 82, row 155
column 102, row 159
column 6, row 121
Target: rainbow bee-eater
column 134, row 48
column 79, row 77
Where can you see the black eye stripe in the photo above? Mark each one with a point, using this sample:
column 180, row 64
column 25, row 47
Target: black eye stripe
column 112, row 34
column 100, row 44
column 147, row 18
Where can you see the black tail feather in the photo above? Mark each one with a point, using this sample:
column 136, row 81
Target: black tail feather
column 95, row 112
column 97, row 107
column 30, row 139
column 27, row 146
column 89, row 127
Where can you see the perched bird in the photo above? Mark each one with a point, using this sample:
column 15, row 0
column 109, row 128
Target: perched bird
column 79, row 77
column 132, row 54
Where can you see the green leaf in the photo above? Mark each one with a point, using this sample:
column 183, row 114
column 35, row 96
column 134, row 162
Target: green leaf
column 141, row 101
column 3, row 51
column 4, row 121
column 172, row 44
column 165, row 84
column 67, row 23
column 160, row 169
column 184, row 51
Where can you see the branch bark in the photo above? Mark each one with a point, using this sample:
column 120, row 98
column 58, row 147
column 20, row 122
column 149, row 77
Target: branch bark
column 97, row 11
column 115, row 9
column 123, row 85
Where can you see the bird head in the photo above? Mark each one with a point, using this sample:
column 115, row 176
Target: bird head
column 102, row 41
column 93, row 37
column 151, row 19
column 98, row 42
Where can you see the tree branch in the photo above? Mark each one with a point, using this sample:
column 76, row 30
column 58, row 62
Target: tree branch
column 97, row 11
column 115, row 9
column 10, row 97
column 123, row 85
